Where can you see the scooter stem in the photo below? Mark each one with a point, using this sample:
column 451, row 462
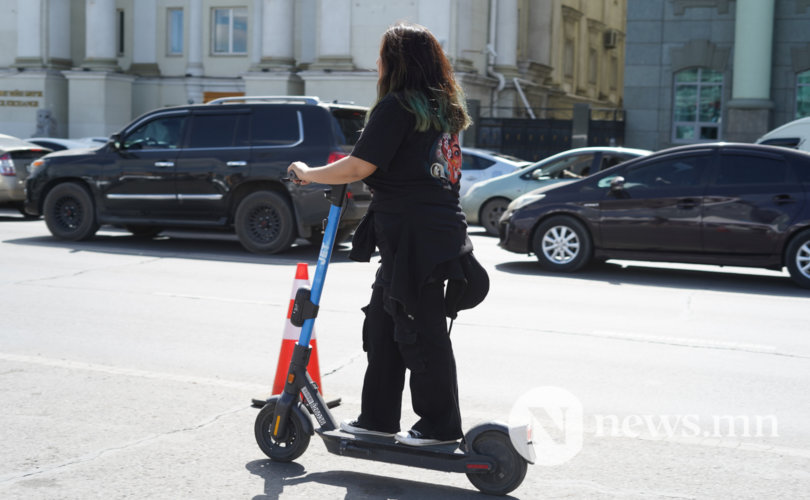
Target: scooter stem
column 320, row 270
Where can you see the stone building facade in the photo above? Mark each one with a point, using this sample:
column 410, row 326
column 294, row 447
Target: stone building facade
column 708, row 70
column 72, row 68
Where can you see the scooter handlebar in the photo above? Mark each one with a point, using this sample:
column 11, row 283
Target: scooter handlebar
column 335, row 193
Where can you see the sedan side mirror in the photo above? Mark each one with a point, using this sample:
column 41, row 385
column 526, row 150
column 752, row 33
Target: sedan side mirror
column 617, row 184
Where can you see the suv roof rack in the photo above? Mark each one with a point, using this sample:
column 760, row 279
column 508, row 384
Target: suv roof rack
column 311, row 100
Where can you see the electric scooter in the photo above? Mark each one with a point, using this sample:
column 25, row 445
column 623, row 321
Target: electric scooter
column 492, row 455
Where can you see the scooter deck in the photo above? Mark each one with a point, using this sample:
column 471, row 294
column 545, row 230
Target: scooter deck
column 444, row 457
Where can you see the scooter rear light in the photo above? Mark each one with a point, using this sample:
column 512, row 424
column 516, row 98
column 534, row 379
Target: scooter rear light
column 478, row 466
column 7, row 166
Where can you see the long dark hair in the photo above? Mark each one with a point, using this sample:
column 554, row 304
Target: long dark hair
column 414, row 67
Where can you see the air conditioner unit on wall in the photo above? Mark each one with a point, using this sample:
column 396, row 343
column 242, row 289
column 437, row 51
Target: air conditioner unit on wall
column 610, row 39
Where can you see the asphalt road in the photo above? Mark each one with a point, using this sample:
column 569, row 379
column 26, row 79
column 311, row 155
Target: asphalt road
column 127, row 368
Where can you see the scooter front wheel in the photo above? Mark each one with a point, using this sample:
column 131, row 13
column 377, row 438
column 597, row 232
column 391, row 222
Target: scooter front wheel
column 510, row 467
column 288, row 447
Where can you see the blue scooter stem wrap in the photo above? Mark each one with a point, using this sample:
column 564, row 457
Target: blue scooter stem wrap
column 320, row 271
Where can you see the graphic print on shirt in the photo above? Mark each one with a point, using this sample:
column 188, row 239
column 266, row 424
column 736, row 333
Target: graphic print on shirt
column 445, row 161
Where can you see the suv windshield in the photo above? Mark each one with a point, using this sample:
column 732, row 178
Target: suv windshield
column 347, row 125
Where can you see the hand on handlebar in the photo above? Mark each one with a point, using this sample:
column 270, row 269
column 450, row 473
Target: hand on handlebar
column 294, row 172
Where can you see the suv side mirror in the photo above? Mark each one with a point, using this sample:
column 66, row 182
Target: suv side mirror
column 115, row 140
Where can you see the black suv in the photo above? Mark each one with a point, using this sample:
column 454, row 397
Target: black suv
column 216, row 165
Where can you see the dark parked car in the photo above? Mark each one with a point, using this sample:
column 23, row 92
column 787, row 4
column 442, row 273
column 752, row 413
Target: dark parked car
column 726, row 204
column 216, row 165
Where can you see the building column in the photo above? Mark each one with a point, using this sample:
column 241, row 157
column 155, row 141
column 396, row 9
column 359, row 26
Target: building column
column 99, row 45
column 58, row 50
column 274, row 60
column 435, row 15
column 334, row 29
column 99, row 96
column 749, row 111
column 195, row 38
column 144, row 50
column 194, row 66
column 256, row 33
column 278, row 38
column 43, row 34
column 464, row 43
column 506, row 41
column 29, row 34
column 506, row 36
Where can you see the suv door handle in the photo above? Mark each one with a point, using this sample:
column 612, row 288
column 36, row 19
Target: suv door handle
column 783, row 198
column 239, row 163
column 164, row 164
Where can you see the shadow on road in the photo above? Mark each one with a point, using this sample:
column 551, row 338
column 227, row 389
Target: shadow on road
column 712, row 278
column 219, row 246
column 278, row 476
column 6, row 217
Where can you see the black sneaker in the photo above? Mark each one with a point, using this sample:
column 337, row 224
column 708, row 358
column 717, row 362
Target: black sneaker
column 352, row 427
column 415, row 438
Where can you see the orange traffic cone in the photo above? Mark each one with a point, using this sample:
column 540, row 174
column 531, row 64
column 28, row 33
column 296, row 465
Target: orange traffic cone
column 290, row 338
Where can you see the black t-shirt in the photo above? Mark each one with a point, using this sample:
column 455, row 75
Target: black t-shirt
column 415, row 218
column 410, row 164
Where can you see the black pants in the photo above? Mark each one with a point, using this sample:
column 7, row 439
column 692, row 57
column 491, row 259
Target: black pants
column 433, row 383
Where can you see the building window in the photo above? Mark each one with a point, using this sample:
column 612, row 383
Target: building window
column 230, row 31
column 119, row 17
column 614, row 72
column 592, row 65
column 803, row 94
column 174, row 36
column 698, row 105
column 568, row 58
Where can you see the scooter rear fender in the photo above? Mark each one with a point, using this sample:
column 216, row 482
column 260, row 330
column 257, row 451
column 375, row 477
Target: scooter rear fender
column 518, row 436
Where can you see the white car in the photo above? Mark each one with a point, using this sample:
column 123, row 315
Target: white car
column 795, row 134
column 59, row 144
column 487, row 200
column 481, row 164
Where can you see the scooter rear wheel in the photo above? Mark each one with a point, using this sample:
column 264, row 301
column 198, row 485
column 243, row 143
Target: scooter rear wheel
column 290, row 446
column 510, row 467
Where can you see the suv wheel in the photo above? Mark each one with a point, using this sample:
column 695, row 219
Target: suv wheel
column 264, row 223
column 797, row 258
column 69, row 212
column 562, row 244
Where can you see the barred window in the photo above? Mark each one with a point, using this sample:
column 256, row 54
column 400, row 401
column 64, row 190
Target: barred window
column 803, row 94
column 698, row 107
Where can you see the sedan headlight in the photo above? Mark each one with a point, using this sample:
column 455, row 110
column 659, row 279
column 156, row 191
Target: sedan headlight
column 522, row 201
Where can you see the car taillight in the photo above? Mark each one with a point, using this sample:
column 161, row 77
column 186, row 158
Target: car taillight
column 335, row 156
column 7, row 166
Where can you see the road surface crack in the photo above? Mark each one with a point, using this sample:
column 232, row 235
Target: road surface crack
column 89, row 457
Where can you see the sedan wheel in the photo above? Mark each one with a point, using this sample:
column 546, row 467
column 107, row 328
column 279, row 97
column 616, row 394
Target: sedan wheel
column 797, row 258
column 491, row 214
column 562, row 244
